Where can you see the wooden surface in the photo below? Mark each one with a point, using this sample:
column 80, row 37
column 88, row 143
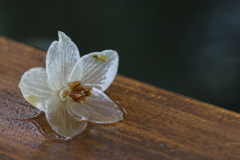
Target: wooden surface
column 159, row 124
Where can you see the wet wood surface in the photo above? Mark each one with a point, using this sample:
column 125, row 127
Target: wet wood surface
column 158, row 125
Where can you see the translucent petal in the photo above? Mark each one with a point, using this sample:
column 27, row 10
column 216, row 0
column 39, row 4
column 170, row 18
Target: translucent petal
column 76, row 110
column 34, row 87
column 60, row 120
column 102, row 109
column 96, row 72
column 61, row 58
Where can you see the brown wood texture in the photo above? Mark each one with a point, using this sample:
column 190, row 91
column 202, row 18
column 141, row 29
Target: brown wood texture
column 158, row 125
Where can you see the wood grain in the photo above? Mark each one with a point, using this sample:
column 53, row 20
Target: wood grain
column 159, row 124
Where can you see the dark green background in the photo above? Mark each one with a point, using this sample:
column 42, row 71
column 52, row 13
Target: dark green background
column 189, row 47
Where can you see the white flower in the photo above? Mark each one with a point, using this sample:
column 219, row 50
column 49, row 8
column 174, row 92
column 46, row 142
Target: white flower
column 70, row 89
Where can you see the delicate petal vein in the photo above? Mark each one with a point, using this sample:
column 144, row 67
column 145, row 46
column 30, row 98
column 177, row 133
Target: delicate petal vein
column 94, row 72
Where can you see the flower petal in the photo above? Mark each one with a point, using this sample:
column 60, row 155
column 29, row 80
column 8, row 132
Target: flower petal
column 60, row 120
column 96, row 72
column 102, row 109
column 61, row 58
column 76, row 110
column 34, row 87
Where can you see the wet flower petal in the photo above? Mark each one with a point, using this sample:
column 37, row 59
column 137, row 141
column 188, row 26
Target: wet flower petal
column 96, row 72
column 60, row 120
column 102, row 109
column 34, row 87
column 61, row 58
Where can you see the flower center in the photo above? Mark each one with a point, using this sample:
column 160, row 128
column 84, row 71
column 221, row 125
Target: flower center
column 76, row 91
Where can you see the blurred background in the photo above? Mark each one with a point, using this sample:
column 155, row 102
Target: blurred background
column 189, row 47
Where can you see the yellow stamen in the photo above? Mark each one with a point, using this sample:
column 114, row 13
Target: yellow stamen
column 79, row 93
column 65, row 93
column 90, row 88
column 102, row 58
column 88, row 93
column 73, row 84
